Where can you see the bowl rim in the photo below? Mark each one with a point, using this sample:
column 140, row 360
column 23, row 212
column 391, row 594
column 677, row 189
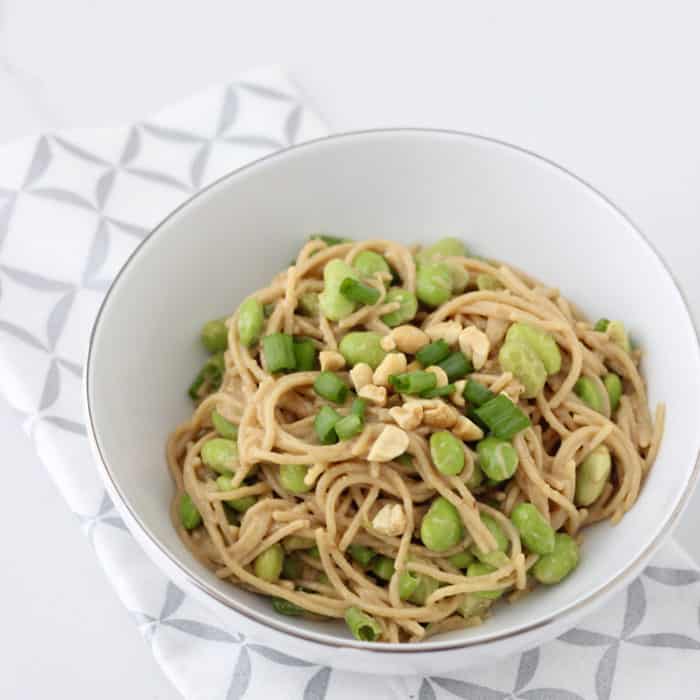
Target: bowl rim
column 577, row 606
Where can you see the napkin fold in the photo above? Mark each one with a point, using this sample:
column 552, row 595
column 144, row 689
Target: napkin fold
column 73, row 205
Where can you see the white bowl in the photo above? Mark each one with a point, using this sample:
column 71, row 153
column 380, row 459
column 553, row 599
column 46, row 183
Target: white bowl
column 411, row 186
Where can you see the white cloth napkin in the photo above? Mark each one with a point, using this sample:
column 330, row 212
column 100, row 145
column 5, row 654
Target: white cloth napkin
column 72, row 207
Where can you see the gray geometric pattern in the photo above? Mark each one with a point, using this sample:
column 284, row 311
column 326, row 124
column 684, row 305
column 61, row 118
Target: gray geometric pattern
column 72, row 207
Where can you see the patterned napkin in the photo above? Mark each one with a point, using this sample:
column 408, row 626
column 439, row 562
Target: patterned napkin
column 72, row 207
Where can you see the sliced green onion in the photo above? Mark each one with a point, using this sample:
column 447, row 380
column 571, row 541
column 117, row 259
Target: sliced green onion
column 477, row 394
column 284, row 607
column 363, row 626
column 413, row 382
column 225, row 428
column 601, row 325
column 193, row 391
column 383, row 568
column 359, row 292
column 304, row 355
column 279, row 352
column 438, row 391
column 330, row 386
column 502, row 417
column 324, row 425
column 358, row 408
column 211, row 374
column 362, row 555
column 349, row 426
column 433, row 353
column 456, row 366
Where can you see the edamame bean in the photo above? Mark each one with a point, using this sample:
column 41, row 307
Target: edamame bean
column 292, row 477
column 487, row 283
column 442, row 527
column 587, row 391
column 592, row 475
column 617, row 333
column 426, row 586
column 240, row 505
column 536, row 533
column 433, row 283
column 479, row 568
column 363, row 626
column 476, row 478
column 268, row 564
column 368, row 263
column 215, row 336
column 553, row 567
column 448, row 247
column 383, row 567
column 496, row 558
column 407, row 309
column 408, row 583
column 251, row 319
column 333, row 305
column 225, row 428
column 542, row 343
column 362, row 555
column 220, row 454
column 613, row 385
column 189, row 515
column 473, row 606
column 498, row 459
column 461, row 560
column 520, row 359
column 447, row 452
column 362, row 346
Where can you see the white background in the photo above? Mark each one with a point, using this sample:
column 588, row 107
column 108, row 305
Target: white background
column 610, row 90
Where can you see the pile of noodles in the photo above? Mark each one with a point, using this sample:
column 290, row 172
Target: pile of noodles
column 275, row 417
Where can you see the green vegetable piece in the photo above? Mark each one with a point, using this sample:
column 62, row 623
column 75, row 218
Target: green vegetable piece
column 473, row 606
column 613, row 385
column 362, row 346
column 292, row 478
column 407, row 309
column 329, row 240
column 536, row 533
column 405, row 460
column 362, row 555
column 447, row 452
column 456, row 365
column 477, row 394
column 268, row 564
column 294, row 542
column 314, row 553
column 433, row 283
column 240, row 505
column 324, row 425
column 542, row 343
column 363, row 627
column 330, row 386
column 479, row 568
column 358, row 408
column 601, row 325
column 225, row 428
column 284, row 607
column 522, row 360
column 498, row 459
column 487, row 283
column 190, row 517
column 304, row 355
column 476, row 478
column 448, row 247
column 552, row 568
column 426, row 586
column 442, row 527
column 359, row 292
column 617, row 333
column 278, row 349
column 433, row 353
column 383, row 567
column 413, row 382
column 220, row 454
column 309, row 304
column 461, row 560
column 458, row 275
column 251, row 319
column 348, row 427
column 209, row 377
column 215, row 336
column 408, row 583
column 592, row 475
column 502, row 417
column 502, row 542
column 368, row 264
column 587, row 391
column 334, row 306
column 292, row 568
column 438, row 391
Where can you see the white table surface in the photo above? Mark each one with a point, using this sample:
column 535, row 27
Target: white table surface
column 607, row 89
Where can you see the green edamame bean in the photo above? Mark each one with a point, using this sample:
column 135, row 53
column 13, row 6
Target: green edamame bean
column 240, row 505
column 459, row 277
column 473, row 606
column 362, row 555
column 433, row 283
column 618, row 334
column 368, row 264
column 268, row 564
column 362, row 346
column 220, row 454
column 498, row 459
column 520, row 359
column 332, row 303
column 408, row 583
column 424, row 589
column 442, row 527
column 308, row 303
column 496, row 558
column 448, row 247
column 292, row 477
column 542, row 343
column 479, row 568
column 215, row 336
column 592, row 475
column 476, row 478
column 189, row 515
column 587, row 391
column 405, row 312
column 383, row 567
column 461, row 560
column 487, row 283
column 225, row 428
column 447, row 452
column 553, row 567
column 613, row 385
column 536, row 533
column 251, row 319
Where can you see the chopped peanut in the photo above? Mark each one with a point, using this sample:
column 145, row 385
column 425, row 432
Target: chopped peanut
column 361, row 375
column 440, row 416
column 457, row 397
column 393, row 363
column 465, row 430
column 408, row 416
column 390, row 520
column 388, row 343
column 331, row 360
column 375, row 394
column 445, row 330
column 413, row 366
column 495, row 330
column 409, row 339
column 475, row 345
column 439, row 373
column 391, row 443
